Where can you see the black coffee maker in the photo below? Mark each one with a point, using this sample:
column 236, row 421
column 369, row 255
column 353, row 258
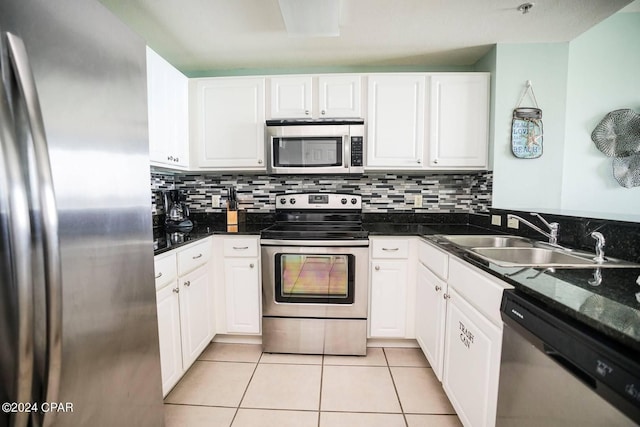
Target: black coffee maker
column 176, row 211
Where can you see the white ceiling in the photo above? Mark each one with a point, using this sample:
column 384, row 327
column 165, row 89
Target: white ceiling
column 201, row 37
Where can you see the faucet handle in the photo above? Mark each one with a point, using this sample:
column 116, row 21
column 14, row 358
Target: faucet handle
column 600, row 241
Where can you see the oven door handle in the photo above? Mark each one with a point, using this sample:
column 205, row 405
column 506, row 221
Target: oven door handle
column 321, row 243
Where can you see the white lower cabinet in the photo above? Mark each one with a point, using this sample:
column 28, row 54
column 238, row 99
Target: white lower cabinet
column 459, row 329
column 388, row 299
column 169, row 335
column 239, row 289
column 194, row 314
column 472, row 362
column 242, row 291
column 392, row 287
column 184, row 298
column 430, row 316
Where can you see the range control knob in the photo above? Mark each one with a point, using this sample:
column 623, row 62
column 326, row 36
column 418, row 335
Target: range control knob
column 354, row 201
column 292, row 201
column 343, row 201
column 283, row 201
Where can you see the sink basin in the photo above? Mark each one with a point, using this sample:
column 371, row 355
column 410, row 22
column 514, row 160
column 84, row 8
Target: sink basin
column 482, row 241
column 532, row 257
column 545, row 258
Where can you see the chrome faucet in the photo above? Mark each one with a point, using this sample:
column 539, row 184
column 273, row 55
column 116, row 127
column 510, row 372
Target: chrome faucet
column 599, row 246
column 552, row 235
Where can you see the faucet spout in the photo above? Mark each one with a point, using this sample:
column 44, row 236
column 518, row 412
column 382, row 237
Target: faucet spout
column 552, row 235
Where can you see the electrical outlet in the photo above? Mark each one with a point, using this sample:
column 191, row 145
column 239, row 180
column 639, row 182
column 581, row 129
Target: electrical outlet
column 513, row 223
column 417, row 200
column 496, row 220
column 215, row 201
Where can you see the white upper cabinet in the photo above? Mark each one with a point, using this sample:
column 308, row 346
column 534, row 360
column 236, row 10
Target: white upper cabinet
column 325, row 96
column 458, row 121
column 168, row 107
column 228, row 123
column 396, row 121
column 291, row 97
column 339, row 96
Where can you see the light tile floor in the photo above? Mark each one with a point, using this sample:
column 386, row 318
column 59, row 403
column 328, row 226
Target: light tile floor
column 236, row 385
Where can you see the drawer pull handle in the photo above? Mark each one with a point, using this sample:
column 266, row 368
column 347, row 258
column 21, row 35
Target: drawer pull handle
column 438, row 288
column 390, row 249
column 187, row 283
column 159, row 275
column 240, row 248
column 446, row 296
column 197, row 256
column 377, row 268
column 176, row 291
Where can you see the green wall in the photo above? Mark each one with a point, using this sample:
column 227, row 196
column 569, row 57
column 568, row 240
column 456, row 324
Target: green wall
column 576, row 84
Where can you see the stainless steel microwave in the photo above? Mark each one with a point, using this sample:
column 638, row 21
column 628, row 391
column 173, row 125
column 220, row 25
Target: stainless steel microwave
column 323, row 146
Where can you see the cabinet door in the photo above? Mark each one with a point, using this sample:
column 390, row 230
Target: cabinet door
column 229, row 124
column 459, row 121
column 169, row 335
column 430, row 317
column 339, row 96
column 472, row 362
column 388, row 309
column 396, row 122
column 194, row 314
column 291, row 97
column 168, row 104
column 242, row 293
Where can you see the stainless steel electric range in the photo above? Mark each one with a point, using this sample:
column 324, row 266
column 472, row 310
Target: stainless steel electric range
column 315, row 276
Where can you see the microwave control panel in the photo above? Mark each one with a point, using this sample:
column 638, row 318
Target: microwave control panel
column 356, row 151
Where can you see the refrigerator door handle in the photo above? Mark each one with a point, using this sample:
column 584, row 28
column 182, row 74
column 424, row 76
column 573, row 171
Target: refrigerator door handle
column 18, row 240
column 51, row 250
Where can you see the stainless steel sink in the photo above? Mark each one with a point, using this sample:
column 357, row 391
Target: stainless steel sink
column 485, row 241
column 545, row 258
column 516, row 251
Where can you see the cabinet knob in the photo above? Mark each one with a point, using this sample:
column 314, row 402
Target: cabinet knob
column 259, row 162
column 377, row 267
column 250, row 265
column 176, row 159
column 169, row 158
column 435, row 161
column 323, row 112
column 187, row 283
column 306, row 112
column 438, row 288
column 176, row 291
column 446, row 296
column 418, row 161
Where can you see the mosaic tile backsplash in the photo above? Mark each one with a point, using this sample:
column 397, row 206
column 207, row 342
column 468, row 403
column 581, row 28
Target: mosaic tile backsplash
column 450, row 193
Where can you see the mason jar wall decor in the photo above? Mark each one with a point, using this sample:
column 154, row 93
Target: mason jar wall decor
column 526, row 128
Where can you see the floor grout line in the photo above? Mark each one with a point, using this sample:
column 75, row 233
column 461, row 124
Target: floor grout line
column 245, row 390
column 320, row 397
column 395, row 388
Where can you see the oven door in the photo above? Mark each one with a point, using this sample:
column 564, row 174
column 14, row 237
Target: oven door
column 313, row 281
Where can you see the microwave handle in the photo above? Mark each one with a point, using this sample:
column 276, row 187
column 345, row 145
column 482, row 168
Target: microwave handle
column 346, row 142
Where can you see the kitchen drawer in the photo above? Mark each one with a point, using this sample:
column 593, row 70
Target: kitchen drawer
column 390, row 248
column 482, row 291
column 241, row 247
column 194, row 256
column 165, row 270
column 434, row 259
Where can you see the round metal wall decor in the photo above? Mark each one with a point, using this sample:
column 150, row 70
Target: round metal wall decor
column 618, row 136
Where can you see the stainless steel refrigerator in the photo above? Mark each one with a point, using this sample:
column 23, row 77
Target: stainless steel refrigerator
column 78, row 323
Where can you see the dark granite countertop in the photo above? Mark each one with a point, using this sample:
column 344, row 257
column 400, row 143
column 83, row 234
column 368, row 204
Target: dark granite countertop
column 611, row 309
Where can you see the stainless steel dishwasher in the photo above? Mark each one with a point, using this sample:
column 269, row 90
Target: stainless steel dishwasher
column 555, row 373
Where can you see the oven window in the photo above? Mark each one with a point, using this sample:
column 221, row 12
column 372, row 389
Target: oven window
column 315, row 278
column 307, row 152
